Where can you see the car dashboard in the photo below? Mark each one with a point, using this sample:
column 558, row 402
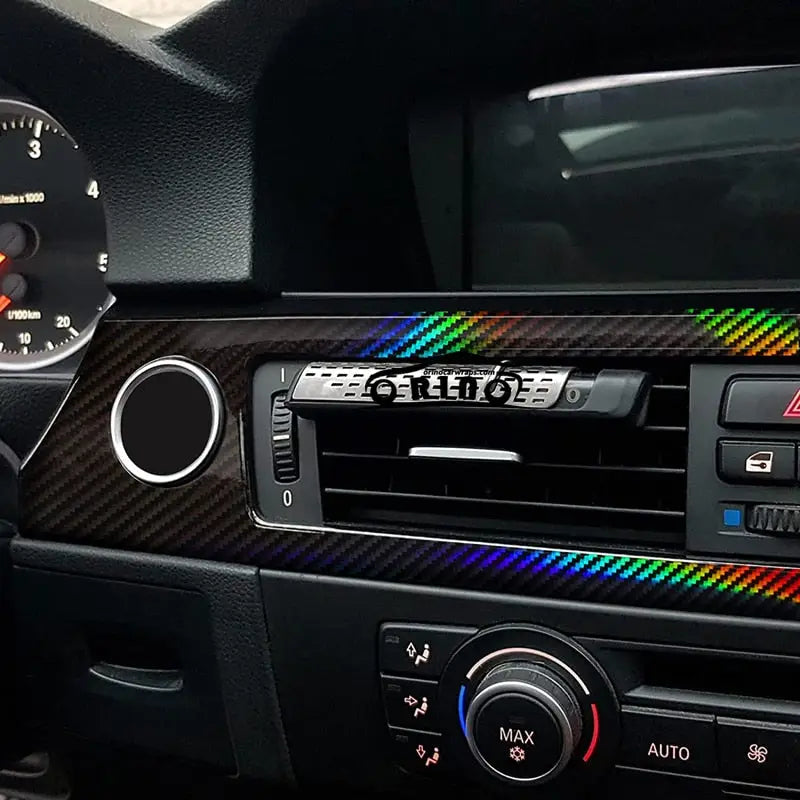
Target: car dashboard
column 400, row 397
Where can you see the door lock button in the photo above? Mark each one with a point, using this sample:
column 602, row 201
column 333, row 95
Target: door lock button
column 757, row 462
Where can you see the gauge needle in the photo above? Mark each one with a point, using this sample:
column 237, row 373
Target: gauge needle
column 5, row 300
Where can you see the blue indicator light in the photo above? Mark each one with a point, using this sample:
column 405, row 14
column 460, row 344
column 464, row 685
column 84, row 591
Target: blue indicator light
column 461, row 718
column 732, row 517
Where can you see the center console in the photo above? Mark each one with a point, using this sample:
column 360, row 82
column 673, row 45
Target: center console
column 560, row 700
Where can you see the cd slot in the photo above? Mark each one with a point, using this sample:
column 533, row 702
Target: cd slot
column 691, row 679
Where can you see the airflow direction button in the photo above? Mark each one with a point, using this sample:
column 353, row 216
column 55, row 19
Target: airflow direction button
column 410, row 703
column 422, row 753
column 418, row 650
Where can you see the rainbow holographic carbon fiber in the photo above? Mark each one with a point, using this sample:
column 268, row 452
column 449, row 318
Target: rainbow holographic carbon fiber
column 703, row 331
column 750, row 332
column 639, row 581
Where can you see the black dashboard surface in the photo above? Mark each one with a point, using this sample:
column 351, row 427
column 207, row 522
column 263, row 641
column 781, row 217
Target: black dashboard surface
column 273, row 152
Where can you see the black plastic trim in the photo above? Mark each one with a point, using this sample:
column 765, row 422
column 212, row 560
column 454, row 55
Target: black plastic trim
column 239, row 632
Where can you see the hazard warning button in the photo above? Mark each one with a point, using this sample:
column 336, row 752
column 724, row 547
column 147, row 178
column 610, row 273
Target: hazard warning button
column 762, row 403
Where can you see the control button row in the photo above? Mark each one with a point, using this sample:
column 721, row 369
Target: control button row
column 697, row 744
column 757, row 462
column 407, row 655
column 418, row 650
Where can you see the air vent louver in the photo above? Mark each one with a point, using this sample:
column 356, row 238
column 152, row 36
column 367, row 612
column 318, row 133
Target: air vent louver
column 576, row 481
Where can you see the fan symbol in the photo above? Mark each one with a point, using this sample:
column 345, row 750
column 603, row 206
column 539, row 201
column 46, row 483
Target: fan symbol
column 517, row 754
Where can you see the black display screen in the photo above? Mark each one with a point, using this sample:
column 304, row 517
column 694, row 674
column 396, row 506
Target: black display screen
column 640, row 181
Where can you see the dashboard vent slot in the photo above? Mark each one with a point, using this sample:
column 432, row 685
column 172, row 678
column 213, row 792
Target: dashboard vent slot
column 573, row 480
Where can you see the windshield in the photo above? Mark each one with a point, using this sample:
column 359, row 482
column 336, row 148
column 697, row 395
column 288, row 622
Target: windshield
column 677, row 177
column 162, row 13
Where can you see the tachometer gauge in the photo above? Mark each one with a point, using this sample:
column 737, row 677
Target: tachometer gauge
column 53, row 252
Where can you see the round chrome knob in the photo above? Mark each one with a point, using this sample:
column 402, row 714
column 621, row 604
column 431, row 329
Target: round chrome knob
column 523, row 723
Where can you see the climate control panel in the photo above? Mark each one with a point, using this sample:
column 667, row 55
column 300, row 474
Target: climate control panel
column 512, row 705
column 521, row 707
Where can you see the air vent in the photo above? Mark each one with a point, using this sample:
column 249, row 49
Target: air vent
column 572, row 480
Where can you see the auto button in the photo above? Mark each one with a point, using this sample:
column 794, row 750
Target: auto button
column 655, row 740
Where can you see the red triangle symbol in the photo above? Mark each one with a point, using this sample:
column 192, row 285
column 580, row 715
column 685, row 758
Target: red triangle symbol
column 793, row 409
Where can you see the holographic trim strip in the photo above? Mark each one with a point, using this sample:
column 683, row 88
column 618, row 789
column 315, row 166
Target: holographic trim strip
column 736, row 589
column 74, row 490
column 707, row 331
column 749, row 332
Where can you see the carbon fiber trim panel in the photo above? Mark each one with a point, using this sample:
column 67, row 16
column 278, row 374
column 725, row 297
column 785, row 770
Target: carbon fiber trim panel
column 74, row 489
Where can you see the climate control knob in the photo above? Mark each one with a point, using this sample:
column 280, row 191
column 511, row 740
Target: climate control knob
column 523, row 723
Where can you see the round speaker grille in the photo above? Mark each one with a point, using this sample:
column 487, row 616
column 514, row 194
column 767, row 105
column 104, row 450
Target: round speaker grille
column 166, row 421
